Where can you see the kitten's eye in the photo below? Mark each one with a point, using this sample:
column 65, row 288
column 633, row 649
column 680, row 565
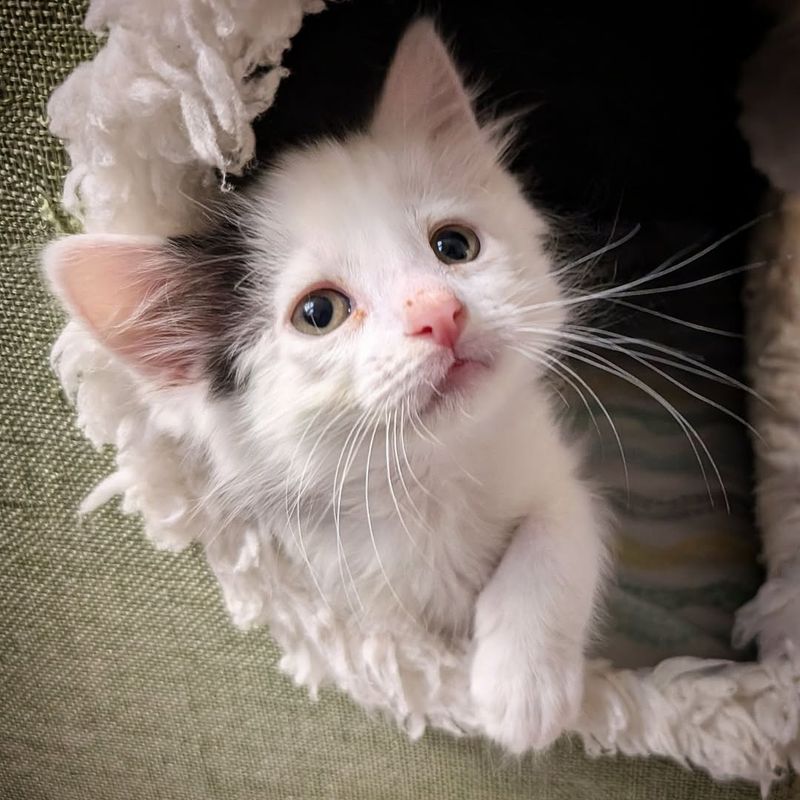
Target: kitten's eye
column 455, row 244
column 321, row 311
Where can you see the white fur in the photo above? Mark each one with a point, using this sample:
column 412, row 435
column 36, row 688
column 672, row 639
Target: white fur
column 733, row 720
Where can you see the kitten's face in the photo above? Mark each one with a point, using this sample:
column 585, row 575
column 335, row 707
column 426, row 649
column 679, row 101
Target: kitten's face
column 398, row 283
column 418, row 248
column 385, row 276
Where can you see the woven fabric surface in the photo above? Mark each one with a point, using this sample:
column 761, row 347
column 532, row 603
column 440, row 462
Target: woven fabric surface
column 120, row 675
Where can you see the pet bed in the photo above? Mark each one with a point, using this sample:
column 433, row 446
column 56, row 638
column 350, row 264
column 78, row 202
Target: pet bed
column 140, row 158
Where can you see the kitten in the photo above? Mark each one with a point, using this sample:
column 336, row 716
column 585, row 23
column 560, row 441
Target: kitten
column 359, row 345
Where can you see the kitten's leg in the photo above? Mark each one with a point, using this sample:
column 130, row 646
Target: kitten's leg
column 532, row 621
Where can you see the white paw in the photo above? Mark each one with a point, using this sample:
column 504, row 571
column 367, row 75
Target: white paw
column 524, row 702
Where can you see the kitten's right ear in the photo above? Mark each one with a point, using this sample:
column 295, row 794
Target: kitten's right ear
column 423, row 93
column 128, row 291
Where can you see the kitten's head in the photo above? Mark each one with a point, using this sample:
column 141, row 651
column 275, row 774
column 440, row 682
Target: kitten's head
column 389, row 273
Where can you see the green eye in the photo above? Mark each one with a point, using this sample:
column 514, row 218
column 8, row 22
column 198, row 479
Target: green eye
column 455, row 244
column 320, row 312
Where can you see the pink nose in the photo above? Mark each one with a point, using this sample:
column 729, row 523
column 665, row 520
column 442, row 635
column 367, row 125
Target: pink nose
column 436, row 315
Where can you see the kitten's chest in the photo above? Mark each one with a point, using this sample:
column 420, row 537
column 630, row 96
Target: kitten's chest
column 423, row 552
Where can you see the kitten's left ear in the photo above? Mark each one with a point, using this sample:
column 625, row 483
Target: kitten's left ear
column 141, row 299
column 423, row 93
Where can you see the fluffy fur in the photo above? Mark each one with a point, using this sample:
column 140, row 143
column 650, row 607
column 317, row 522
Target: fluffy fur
column 410, row 501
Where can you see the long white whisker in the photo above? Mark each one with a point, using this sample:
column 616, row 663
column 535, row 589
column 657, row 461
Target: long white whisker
column 371, row 528
column 344, row 566
column 434, row 389
column 400, row 517
column 591, row 340
column 678, row 359
column 418, row 430
column 677, row 287
column 599, row 362
column 298, row 535
column 596, row 254
column 696, row 326
column 419, row 515
column 665, row 268
column 432, row 436
column 557, row 366
column 292, row 460
column 309, row 458
column 625, row 290
column 424, row 489
column 551, row 362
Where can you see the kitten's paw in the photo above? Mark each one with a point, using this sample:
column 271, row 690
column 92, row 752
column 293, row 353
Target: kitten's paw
column 525, row 703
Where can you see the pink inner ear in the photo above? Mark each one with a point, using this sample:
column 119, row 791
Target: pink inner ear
column 423, row 92
column 102, row 282
column 117, row 286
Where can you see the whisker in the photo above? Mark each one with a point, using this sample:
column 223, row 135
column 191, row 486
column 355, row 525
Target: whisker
column 599, row 362
column 551, row 362
column 372, row 530
column 626, row 290
column 676, row 320
column 432, row 436
column 684, row 362
column 557, row 366
column 417, row 430
column 354, row 441
column 667, row 267
column 434, row 389
column 390, row 482
column 596, row 254
column 300, row 488
column 639, row 359
column 295, row 453
column 610, row 340
column 717, row 276
column 424, row 489
column 420, row 517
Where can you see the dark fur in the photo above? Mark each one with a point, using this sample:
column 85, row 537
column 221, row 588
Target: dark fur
column 224, row 301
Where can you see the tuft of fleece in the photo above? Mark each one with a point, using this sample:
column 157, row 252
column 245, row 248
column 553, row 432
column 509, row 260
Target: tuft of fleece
column 167, row 101
column 142, row 161
column 773, row 354
column 771, row 124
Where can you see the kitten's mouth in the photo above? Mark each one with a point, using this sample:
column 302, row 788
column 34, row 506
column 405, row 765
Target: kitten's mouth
column 460, row 374
column 460, row 378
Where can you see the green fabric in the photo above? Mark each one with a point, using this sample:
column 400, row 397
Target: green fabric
column 120, row 675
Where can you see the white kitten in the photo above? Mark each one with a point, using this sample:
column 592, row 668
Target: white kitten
column 359, row 346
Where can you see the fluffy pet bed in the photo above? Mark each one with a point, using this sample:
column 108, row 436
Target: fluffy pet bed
column 151, row 123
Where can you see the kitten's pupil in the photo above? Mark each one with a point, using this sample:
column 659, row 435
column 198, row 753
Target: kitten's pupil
column 453, row 246
column 318, row 311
